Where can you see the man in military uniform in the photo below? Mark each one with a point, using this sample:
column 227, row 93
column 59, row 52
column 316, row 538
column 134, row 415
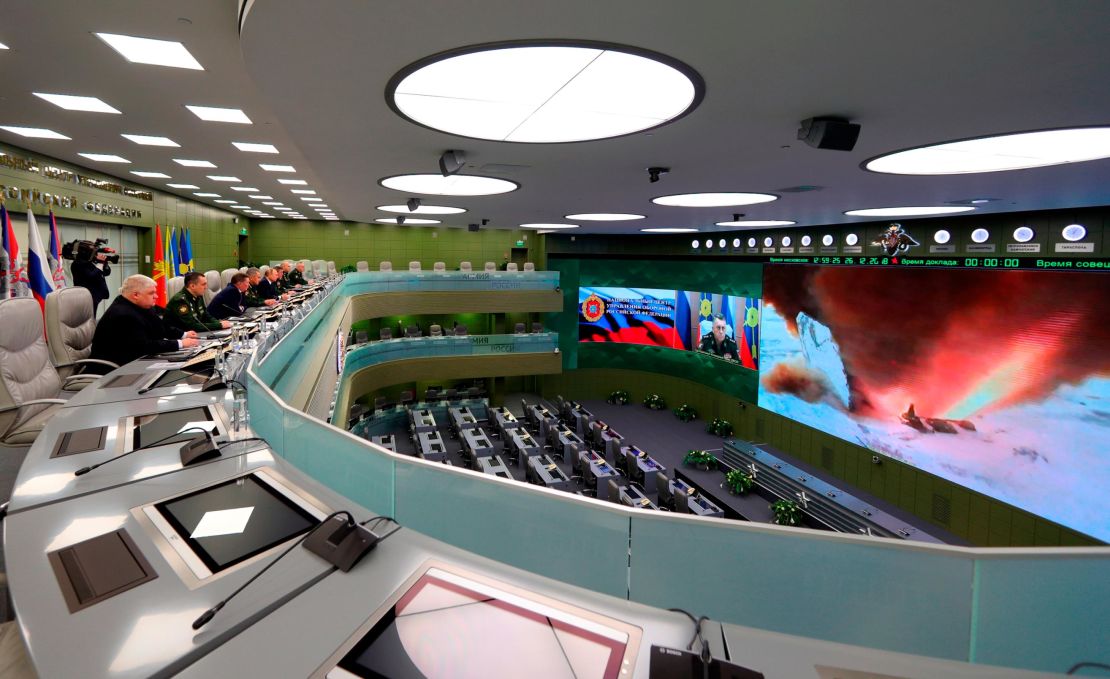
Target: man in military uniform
column 296, row 276
column 716, row 342
column 253, row 296
column 284, row 284
column 186, row 310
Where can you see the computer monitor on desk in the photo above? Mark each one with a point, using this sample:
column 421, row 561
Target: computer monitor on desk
column 187, row 423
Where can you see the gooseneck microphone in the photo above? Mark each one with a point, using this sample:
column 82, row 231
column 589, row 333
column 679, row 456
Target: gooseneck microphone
column 85, row 470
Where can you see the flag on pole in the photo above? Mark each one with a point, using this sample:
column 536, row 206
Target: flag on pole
column 683, row 322
column 171, row 250
column 38, row 268
column 189, row 249
column 58, row 272
column 182, row 260
column 16, row 275
column 159, row 266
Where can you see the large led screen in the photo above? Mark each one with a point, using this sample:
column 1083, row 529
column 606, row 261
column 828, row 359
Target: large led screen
column 996, row 380
column 721, row 325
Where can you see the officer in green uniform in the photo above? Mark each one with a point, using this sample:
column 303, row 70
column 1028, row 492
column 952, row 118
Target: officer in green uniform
column 283, row 284
column 252, row 297
column 716, row 342
column 186, row 309
column 296, row 276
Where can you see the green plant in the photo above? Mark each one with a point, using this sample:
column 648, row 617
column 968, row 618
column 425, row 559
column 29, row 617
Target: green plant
column 655, row 402
column 787, row 513
column 719, row 427
column 685, row 413
column 700, row 458
column 619, row 397
column 739, row 481
column 348, row 269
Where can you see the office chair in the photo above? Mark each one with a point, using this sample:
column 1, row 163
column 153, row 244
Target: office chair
column 490, row 267
column 70, row 325
column 519, row 329
column 362, row 265
column 460, row 330
column 465, row 266
column 407, row 398
column 385, row 266
column 386, row 333
column 435, row 330
column 452, row 395
column 537, row 327
column 413, row 331
column 30, row 388
column 439, row 267
column 529, row 266
column 362, row 337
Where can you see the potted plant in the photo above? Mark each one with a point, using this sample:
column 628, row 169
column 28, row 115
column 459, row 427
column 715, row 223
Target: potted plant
column 702, row 459
column 787, row 513
column 685, row 413
column 739, row 482
column 619, row 397
column 719, row 427
column 655, row 402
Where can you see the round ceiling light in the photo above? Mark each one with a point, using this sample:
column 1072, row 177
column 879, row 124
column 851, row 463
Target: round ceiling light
column 851, row 239
column 695, row 244
column 768, row 242
column 735, row 242
column 1023, row 234
column 713, row 199
column 422, row 210
column 980, row 235
column 549, row 226
column 605, row 217
column 752, row 242
column 942, row 236
column 722, row 243
column 754, row 223
column 408, row 220
column 669, row 230
column 545, row 91
column 786, row 241
column 806, row 240
column 998, row 153
column 827, row 240
column 908, row 211
column 1074, row 232
column 453, row 185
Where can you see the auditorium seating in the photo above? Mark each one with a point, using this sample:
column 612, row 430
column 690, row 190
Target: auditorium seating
column 414, row 266
column 511, row 266
column 30, row 388
column 362, row 265
column 69, row 331
column 435, row 330
column 225, row 276
column 465, row 266
column 439, row 266
column 332, row 271
column 385, row 266
column 319, row 268
column 529, row 266
column 386, row 333
column 214, row 286
column 490, row 266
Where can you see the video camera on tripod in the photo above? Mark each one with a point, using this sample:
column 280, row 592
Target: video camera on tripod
column 87, row 250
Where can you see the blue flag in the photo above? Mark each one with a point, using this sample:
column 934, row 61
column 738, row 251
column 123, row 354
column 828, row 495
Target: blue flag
column 189, row 249
column 726, row 311
column 182, row 260
column 683, row 321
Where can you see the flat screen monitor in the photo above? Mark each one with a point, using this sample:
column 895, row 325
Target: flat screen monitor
column 219, row 526
column 146, row 429
column 451, row 624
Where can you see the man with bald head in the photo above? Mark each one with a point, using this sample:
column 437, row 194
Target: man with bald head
column 132, row 327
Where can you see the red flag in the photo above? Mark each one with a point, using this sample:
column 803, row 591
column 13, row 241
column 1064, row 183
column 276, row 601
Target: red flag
column 159, row 267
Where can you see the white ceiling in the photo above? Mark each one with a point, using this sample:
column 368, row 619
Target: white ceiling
column 312, row 77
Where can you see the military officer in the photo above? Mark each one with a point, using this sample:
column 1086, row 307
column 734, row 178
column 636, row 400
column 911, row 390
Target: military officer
column 716, row 342
column 186, row 309
column 296, row 277
column 253, row 296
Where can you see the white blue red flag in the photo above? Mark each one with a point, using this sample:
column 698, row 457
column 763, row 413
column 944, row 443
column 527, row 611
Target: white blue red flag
column 38, row 267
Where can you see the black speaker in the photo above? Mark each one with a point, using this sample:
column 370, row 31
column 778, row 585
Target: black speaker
column 835, row 134
column 472, row 227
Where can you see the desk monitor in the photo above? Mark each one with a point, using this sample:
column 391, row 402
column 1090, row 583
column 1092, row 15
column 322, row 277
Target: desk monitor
column 217, row 527
column 445, row 622
column 142, row 430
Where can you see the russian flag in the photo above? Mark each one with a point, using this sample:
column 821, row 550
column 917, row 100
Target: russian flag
column 38, row 269
column 58, row 273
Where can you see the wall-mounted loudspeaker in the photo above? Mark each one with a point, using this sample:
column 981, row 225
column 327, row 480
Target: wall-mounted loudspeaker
column 835, row 134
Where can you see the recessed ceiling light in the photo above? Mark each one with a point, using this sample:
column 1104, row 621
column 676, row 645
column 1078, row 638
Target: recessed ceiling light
column 104, row 157
column 3, row 46
column 695, row 244
column 244, row 188
column 207, row 195
column 241, row 207
column 768, row 241
column 827, row 240
column 220, row 115
column 277, row 168
column 980, row 201
column 150, row 141
column 851, row 239
column 193, row 163
column 606, row 217
column 735, row 242
column 908, row 211
column 312, row 199
column 183, row 186
column 721, row 243
column 1023, row 234
column 422, row 210
column 151, row 175
column 753, row 223
column 453, row 185
column 408, row 220
column 223, row 178
column 275, row 203
column 713, row 199
column 292, row 182
column 549, row 226
column 942, row 236
column 305, row 192
column 226, row 202
column 33, row 132
column 980, row 235
column 150, row 51
column 669, row 230
column 254, row 148
column 71, row 102
column 1074, row 232
column 708, row 243
column 263, row 197
column 1018, row 151
column 544, row 93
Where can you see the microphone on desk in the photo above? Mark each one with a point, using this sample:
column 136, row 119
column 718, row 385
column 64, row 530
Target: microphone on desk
column 85, row 470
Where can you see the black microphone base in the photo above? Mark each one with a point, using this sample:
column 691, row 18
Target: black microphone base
column 199, row 450
column 340, row 543
column 213, row 383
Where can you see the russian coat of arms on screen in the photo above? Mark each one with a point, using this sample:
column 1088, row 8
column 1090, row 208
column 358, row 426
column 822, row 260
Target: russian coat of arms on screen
column 593, row 308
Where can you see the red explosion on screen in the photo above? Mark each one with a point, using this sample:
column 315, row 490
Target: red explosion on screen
column 953, row 343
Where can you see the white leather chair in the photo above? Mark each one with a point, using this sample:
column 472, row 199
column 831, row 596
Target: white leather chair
column 319, row 268
column 70, row 325
column 490, row 266
column 385, row 266
column 465, row 266
column 243, row 269
column 30, row 387
column 264, row 268
column 439, row 266
column 174, row 285
column 214, row 285
column 529, row 266
column 511, row 266
column 414, row 266
column 362, row 265
column 332, row 271
column 225, row 276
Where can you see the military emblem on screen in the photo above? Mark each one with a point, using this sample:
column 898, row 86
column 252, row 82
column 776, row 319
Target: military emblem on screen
column 895, row 241
column 593, row 308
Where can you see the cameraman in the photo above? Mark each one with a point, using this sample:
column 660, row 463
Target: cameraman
column 90, row 269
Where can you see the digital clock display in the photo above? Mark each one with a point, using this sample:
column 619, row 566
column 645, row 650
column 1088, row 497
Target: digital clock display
column 1044, row 263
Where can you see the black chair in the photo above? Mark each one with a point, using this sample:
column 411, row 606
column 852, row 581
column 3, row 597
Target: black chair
column 386, row 333
column 460, row 329
column 537, row 326
column 381, row 403
column 519, row 329
column 362, row 337
column 431, row 394
column 474, row 392
column 413, row 331
column 407, row 398
column 451, row 395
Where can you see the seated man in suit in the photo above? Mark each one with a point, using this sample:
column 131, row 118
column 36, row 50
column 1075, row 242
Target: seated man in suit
column 268, row 286
column 231, row 301
column 132, row 328
column 186, row 310
column 253, row 296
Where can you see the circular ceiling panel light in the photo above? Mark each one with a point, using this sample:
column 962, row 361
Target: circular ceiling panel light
column 545, row 91
column 851, row 239
column 755, row 223
column 942, row 236
column 669, row 230
column 422, row 210
column 998, row 153
column 735, row 242
column 806, row 241
column 786, row 241
column 713, row 199
column 827, row 240
column 605, row 217
column 909, row 211
column 408, row 220
column 752, row 242
column 695, row 244
column 549, row 226
column 453, row 185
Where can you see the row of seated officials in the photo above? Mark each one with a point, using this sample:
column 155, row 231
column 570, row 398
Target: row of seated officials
column 442, row 266
column 435, row 330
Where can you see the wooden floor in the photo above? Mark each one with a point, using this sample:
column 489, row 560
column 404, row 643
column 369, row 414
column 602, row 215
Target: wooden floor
column 14, row 661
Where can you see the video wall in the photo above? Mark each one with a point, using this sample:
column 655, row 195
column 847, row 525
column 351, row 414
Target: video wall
column 996, row 380
column 726, row 326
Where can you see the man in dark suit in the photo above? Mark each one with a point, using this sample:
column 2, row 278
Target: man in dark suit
column 231, row 301
column 268, row 286
column 90, row 270
column 131, row 327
